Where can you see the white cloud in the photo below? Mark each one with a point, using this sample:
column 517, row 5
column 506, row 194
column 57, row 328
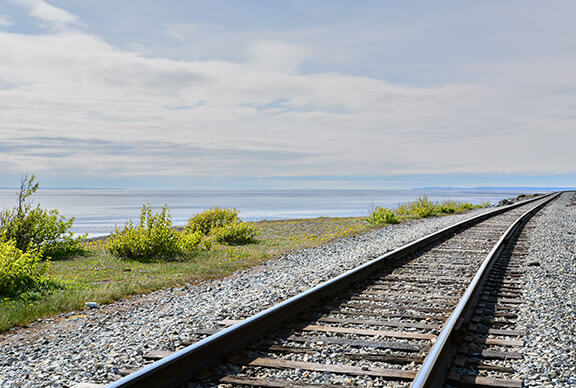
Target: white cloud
column 57, row 19
column 72, row 102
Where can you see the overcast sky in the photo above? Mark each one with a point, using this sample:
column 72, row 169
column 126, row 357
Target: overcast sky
column 266, row 93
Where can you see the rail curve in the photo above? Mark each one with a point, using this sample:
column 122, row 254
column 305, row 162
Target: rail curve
column 420, row 293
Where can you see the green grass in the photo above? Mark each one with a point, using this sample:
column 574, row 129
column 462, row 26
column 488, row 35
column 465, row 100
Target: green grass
column 100, row 277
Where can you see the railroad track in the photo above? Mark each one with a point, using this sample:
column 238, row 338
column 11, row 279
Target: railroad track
column 486, row 350
column 438, row 308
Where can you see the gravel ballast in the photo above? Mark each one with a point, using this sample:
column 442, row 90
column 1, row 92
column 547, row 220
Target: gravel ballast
column 93, row 345
column 549, row 312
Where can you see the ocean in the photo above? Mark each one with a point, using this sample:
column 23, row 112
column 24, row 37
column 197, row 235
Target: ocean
column 98, row 211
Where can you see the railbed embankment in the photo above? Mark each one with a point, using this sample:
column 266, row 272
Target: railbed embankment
column 549, row 309
column 93, row 345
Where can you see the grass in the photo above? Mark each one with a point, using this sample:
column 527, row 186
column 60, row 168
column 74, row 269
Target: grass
column 100, row 277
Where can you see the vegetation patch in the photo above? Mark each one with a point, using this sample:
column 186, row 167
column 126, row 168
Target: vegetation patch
column 29, row 237
column 20, row 271
column 209, row 220
column 153, row 238
column 237, row 233
column 152, row 254
column 34, row 228
column 102, row 277
column 382, row 215
column 222, row 225
column 423, row 208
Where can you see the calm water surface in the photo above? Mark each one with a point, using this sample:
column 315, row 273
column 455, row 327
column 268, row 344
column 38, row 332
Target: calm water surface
column 97, row 212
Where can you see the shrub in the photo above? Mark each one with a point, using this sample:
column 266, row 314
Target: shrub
column 382, row 215
column 222, row 225
column 189, row 241
column 448, row 207
column 20, row 271
column 468, row 206
column 403, row 209
column 423, row 207
column 32, row 227
column 236, row 233
column 153, row 238
column 208, row 220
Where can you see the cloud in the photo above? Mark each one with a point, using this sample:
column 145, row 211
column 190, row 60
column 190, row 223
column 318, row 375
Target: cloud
column 76, row 104
column 54, row 18
column 5, row 21
column 277, row 56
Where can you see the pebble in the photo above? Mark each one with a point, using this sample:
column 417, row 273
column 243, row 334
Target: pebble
column 549, row 311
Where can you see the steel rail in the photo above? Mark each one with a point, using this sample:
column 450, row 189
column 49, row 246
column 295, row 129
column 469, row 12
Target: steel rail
column 184, row 364
column 434, row 369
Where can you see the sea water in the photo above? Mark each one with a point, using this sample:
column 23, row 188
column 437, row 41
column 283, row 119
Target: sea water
column 98, row 211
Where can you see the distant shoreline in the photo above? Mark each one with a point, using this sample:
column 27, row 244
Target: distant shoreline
column 98, row 212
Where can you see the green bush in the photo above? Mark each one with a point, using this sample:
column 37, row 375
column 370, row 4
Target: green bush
column 20, row 271
column 423, row 207
column 236, row 233
column 152, row 239
column 420, row 208
column 189, row 242
column 468, row 206
column 208, row 220
column 448, row 207
column 403, row 209
column 32, row 227
column 382, row 215
column 222, row 225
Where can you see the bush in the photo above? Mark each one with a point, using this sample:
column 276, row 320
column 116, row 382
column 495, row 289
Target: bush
column 222, row 225
column 423, row 207
column 189, row 242
column 32, row 227
column 468, row 206
column 420, row 208
column 154, row 238
column 448, row 207
column 236, row 233
column 211, row 219
column 382, row 215
column 20, row 271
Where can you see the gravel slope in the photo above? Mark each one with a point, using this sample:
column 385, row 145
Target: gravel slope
column 549, row 313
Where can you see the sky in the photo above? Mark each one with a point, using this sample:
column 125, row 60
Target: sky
column 288, row 94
